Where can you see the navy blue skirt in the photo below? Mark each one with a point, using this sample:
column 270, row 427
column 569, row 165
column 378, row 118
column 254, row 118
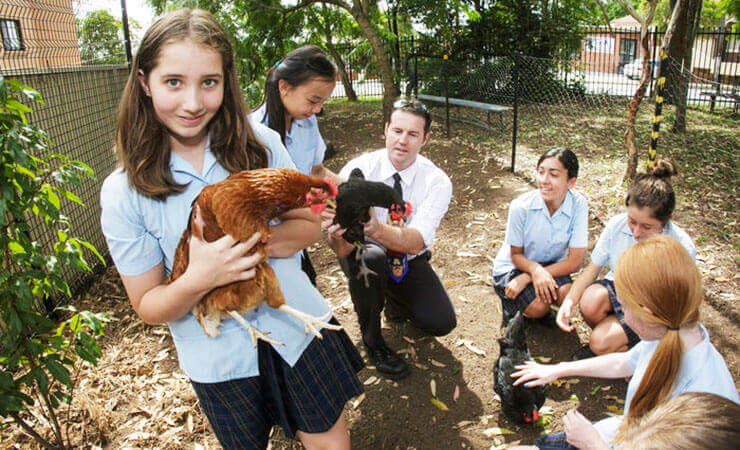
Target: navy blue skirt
column 309, row 397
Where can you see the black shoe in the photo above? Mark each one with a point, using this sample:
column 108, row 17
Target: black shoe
column 584, row 352
column 388, row 363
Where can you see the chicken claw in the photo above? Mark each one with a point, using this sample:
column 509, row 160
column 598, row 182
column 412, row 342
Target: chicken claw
column 254, row 333
column 312, row 324
column 364, row 271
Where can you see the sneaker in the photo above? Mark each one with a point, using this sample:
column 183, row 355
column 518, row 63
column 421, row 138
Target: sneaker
column 584, row 352
column 388, row 363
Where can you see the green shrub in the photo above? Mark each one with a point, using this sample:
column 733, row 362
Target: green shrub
column 38, row 355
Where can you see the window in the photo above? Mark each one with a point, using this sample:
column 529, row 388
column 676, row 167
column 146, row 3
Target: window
column 11, row 33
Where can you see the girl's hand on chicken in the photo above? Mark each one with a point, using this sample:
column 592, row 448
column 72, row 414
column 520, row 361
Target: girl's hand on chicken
column 533, row 374
column 544, row 285
column 327, row 224
column 516, row 285
column 581, row 433
column 222, row 261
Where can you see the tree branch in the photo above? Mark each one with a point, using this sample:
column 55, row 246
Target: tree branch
column 31, row 431
column 603, row 11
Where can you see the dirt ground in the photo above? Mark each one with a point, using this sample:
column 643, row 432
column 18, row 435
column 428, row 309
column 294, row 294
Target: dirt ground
column 138, row 397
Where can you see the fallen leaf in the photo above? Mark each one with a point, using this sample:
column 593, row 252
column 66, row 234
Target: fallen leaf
column 370, row 380
column 467, row 254
column 546, row 410
column 439, row 404
column 433, row 387
column 463, row 423
column 409, row 340
column 189, row 423
column 405, row 397
column 595, row 389
column 542, row 359
column 574, row 397
column 615, row 409
column 358, row 400
column 449, row 283
column 456, row 394
column 496, row 431
column 436, row 363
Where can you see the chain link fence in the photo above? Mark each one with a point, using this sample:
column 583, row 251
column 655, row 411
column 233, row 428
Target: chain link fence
column 73, row 54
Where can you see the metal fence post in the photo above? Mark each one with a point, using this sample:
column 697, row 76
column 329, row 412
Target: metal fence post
column 126, row 35
column 447, row 94
column 517, row 59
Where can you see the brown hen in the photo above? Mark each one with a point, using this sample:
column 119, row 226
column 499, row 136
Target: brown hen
column 241, row 205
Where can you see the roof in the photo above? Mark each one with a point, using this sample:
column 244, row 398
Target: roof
column 625, row 22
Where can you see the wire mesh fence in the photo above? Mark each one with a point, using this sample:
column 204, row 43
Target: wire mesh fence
column 73, row 54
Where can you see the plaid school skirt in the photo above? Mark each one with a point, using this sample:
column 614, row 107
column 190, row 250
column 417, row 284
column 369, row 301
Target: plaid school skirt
column 309, row 396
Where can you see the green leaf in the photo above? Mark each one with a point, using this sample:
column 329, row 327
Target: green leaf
column 40, row 376
column 58, row 371
column 92, row 248
column 16, row 248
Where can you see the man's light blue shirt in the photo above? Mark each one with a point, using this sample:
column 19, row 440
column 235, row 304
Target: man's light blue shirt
column 544, row 238
column 305, row 145
column 617, row 237
column 142, row 232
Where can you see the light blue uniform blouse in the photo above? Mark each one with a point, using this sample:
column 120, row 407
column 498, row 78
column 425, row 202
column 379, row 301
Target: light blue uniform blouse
column 617, row 237
column 702, row 370
column 543, row 237
column 305, row 145
column 142, row 232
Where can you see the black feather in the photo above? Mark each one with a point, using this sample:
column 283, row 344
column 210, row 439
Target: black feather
column 517, row 402
column 355, row 198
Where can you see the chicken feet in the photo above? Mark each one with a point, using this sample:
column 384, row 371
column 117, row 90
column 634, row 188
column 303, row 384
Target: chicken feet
column 254, row 333
column 364, row 271
column 311, row 323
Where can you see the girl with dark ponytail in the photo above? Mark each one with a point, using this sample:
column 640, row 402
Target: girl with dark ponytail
column 295, row 91
column 650, row 202
column 660, row 291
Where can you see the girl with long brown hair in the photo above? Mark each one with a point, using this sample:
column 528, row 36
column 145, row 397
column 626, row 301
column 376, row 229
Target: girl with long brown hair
column 660, row 290
column 183, row 126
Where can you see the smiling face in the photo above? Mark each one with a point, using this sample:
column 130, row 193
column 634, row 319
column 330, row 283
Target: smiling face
column 187, row 89
column 642, row 223
column 404, row 138
column 307, row 99
column 553, row 182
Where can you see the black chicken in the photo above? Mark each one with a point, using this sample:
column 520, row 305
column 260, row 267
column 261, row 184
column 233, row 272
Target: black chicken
column 354, row 200
column 519, row 403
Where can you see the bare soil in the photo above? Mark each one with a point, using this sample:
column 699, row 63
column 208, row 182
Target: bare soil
column 138, row 397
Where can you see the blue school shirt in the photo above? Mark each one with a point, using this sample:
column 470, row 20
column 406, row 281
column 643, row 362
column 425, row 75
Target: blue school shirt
column 702, row 370
column 543, row 237
column 305, row 145
column 142, row 232
column 616, row 238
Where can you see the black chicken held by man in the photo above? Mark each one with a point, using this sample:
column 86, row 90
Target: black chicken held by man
column 519, row 403
column 355, row 198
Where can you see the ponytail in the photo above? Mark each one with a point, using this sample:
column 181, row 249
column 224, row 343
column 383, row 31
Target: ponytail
column 658, row 274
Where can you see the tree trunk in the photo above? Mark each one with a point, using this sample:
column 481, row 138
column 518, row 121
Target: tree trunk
column 632, row 109
column 688, row 31
column 349, row 91
column 390, row 90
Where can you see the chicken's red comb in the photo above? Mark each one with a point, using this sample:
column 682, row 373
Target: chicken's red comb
column 409, row 210
column 535, row 415
column 332, row 186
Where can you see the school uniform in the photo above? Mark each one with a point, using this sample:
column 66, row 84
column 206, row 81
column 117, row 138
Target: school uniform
column 419, row 295
column 702, row 370
column 306, row 148
column 544, row 239
column 142, row 232
column 614, row 240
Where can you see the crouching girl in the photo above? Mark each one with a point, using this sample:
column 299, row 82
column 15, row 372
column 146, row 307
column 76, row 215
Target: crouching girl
column 659, row 289
column 546, row 238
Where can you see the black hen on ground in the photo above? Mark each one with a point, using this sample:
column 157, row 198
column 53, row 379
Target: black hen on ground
column 354, row 200
column 519, row 403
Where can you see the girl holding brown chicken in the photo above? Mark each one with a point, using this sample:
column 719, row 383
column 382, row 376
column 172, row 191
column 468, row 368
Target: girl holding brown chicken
column 183, row 126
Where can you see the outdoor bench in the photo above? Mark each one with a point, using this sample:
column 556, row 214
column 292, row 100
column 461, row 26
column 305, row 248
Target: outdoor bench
column 487, row 107
column 732, row 95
